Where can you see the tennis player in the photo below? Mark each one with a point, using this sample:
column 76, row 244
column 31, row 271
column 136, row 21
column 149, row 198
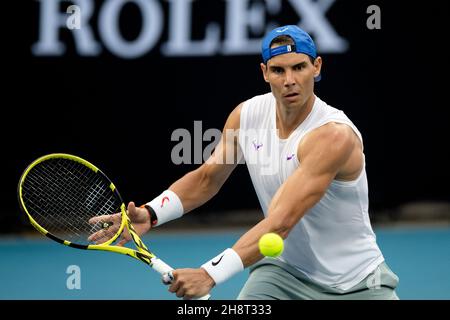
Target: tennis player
column 307, row 165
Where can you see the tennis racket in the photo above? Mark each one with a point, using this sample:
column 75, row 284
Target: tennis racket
column 62, row 194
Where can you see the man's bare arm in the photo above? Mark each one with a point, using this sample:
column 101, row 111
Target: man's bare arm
column 324, row 153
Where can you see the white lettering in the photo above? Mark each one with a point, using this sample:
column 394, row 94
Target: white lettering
column 237, row 21
column 315, row 22
column 74, row 20
column 51, row 21
column 194, row 310
column 180, row 25
column 374, row 20
column 150, row 32
column 181, row 153
column 244, row 25
column 74, row 280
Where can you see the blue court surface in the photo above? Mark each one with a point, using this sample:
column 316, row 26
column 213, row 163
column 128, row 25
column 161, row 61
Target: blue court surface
column 36, row 268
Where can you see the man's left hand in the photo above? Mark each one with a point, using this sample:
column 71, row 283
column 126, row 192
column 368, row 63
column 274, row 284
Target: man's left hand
column 191, row 283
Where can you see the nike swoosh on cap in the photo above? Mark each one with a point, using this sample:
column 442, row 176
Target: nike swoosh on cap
column 282, row 30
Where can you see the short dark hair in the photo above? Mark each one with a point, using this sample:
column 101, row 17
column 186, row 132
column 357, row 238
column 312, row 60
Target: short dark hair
column 285, row 40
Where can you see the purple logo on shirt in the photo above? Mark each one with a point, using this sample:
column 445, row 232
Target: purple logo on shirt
column 257, row 145
column 290, row 157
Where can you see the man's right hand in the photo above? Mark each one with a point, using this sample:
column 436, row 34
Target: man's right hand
column 139, row 217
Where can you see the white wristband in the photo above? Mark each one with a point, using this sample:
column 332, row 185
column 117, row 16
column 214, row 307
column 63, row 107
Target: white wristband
column 224, row 266
column 167, row 207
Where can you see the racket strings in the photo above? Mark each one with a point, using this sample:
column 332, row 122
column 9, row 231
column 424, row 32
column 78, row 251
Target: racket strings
column 62, row 195
column 59, row 190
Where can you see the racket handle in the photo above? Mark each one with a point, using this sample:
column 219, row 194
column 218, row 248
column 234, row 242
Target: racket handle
column 205, row 297
column 160, row 266
column 166, row 271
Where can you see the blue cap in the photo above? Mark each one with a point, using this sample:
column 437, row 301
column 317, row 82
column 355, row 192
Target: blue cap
column 302, row 43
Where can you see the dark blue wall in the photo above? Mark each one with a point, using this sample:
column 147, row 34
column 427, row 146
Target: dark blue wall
column 120, row 113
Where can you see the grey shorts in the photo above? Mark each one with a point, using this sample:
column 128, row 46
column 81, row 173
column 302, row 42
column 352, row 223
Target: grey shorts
column 272, row 279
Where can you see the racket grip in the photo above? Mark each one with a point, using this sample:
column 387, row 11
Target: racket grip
column 166, row 271
column 160, row 266
column 205, row 297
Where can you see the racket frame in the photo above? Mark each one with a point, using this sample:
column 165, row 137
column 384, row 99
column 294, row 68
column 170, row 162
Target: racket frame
column 142, row 253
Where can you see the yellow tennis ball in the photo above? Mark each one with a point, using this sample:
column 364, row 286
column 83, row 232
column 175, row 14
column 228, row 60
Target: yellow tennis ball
column 271, row 245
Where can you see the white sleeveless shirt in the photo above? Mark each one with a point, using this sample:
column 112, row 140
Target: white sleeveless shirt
column 333, row 243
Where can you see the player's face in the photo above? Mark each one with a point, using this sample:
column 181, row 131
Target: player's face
column 291, row 78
